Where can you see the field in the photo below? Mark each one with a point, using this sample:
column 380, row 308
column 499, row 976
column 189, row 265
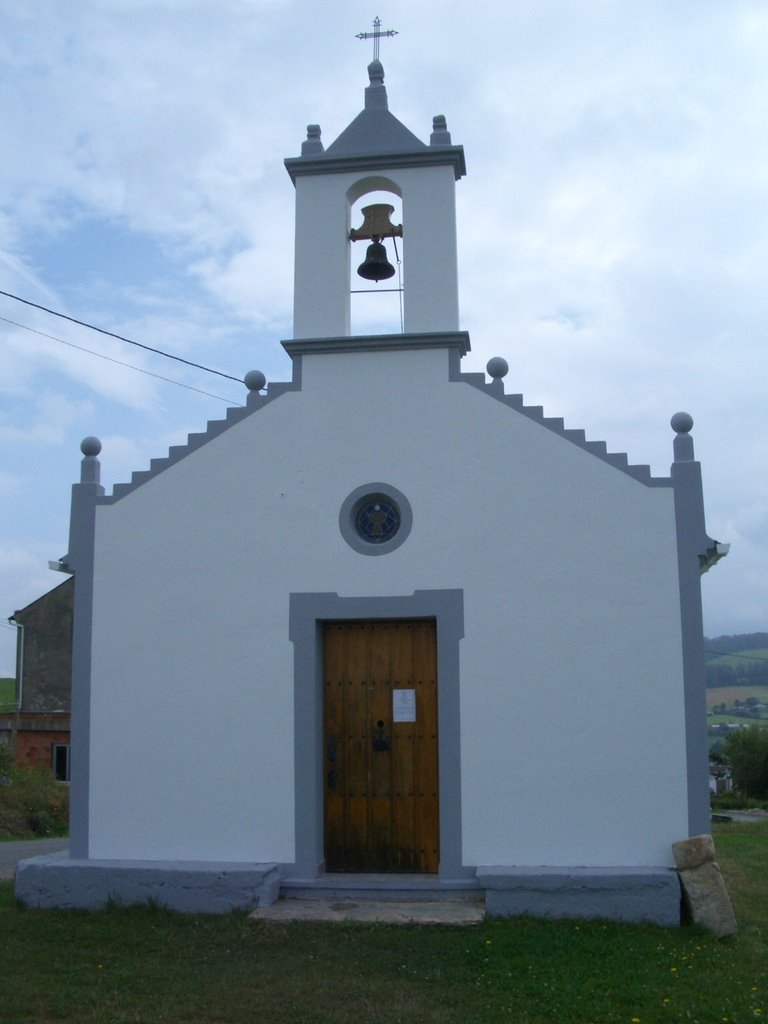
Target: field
column 739, row 658
column 150, row 966
column 7, row 694
column 729, row 694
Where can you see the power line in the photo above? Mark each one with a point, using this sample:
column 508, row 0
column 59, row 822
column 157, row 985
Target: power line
column 119, row 362
column 120, row 337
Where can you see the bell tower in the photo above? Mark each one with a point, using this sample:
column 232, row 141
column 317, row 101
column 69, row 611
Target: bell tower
column 375, row 153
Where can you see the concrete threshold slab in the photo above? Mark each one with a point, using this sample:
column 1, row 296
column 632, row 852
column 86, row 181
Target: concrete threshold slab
column 433, row 912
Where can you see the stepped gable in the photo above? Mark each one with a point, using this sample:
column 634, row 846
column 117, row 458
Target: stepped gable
column 194, row 441
column 493, row 389
column 619, row 460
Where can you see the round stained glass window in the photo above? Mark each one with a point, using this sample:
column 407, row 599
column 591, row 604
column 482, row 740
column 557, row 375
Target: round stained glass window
column 377, row 519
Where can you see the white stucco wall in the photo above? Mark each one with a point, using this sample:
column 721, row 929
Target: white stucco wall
column 573, row 746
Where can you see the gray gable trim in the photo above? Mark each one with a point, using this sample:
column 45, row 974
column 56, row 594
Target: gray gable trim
column 379, row 162
column 457, row 343
column 178, row 452
column 556, row 424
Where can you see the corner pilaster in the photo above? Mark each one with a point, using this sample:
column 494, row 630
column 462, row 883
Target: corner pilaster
column 80, row 561
column 692, row 546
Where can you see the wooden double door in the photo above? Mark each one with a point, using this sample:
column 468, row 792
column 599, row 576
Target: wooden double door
column 381, row 746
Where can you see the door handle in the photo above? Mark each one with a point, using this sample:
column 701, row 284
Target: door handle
column 380, row 739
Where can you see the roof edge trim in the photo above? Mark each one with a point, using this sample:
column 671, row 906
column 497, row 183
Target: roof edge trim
column 598, row 449
column 452, row 155
column 456, row 340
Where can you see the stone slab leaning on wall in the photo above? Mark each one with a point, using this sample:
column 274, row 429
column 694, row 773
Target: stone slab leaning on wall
column 703, row 887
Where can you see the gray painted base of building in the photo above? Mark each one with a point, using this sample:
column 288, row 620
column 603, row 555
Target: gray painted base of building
column 615, row 894
column 190, row 887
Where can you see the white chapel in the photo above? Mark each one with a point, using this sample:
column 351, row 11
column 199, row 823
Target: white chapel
column 386, row 628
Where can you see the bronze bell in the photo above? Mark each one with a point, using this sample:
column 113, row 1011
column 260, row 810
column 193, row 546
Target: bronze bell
column 376, row 266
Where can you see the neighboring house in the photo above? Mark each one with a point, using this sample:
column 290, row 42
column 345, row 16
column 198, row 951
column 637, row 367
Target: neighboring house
column 37, row 727
column 313, row 644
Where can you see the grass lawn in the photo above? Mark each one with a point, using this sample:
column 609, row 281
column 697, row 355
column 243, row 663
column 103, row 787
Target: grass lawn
column 150, row 966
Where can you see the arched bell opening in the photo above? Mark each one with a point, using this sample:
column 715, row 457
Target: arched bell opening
column 376, row 257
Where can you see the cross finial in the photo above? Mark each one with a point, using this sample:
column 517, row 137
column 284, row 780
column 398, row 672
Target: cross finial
column 376, row 35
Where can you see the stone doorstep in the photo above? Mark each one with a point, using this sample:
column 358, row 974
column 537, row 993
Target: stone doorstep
column 392, row 887
column 456, row 913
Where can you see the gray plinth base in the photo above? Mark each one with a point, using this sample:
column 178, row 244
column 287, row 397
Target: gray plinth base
column 616, row 894
column 188, row 886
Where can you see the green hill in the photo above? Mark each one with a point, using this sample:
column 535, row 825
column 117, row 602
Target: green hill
column 740, row 660
column 7, row 694
column 730, row 644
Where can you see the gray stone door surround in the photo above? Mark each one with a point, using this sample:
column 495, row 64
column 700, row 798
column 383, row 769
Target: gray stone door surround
column 307, row 613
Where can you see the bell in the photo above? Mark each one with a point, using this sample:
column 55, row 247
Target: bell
column 376, row 266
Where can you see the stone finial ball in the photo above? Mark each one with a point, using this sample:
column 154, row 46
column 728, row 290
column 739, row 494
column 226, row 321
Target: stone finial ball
column 497, row 367
column 681, row 422
column 90, row 446
column 254, row 380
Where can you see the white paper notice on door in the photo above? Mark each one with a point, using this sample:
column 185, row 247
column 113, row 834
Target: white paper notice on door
column 403, row 705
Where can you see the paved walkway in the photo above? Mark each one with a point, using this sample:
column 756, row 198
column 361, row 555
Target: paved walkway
column 11, row 853
column 742, row 816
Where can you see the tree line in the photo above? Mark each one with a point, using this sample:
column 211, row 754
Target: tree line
column 747, row 670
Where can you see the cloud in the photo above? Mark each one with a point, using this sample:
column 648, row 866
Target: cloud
column 612, row 226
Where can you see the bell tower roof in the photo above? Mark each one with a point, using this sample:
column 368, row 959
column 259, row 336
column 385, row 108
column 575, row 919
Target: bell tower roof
column 375, row 129
column 375, row 153
column 374, row 138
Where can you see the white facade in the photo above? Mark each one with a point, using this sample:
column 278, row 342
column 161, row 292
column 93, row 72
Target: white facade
column 563, row 585
column 572, row 712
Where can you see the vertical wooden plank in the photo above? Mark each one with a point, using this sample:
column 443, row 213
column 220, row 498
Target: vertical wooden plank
column 346, row 788
column 404, row 797
column 333, row 743
column 356, row 746
column 381, row 785
column 380, row 639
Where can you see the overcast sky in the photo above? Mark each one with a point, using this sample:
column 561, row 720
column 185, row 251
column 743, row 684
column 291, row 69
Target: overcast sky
column 613, row 228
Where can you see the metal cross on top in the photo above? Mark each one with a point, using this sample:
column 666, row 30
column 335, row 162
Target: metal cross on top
column 376, row 35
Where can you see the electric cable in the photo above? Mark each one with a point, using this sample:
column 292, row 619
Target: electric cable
column 119, row 362
column 120, row 337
